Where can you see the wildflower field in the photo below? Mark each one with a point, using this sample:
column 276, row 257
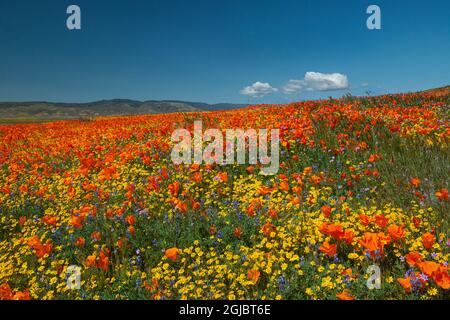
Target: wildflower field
column 362, row 181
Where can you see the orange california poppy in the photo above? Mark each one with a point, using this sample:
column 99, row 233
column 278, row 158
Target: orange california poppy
column 413, row 258
column 196, row 205
column 5, row 292
column 23, row 188
column 419, row 195
column 396, row 232
column 326, row 210
column 273, row 213
column 194, row 167
column 428, row 240
column 372, row 242
column 77, row 221
column 428, row 267
column 197, row 177
column 130, row 219
column 103, row 261
column 181, row 206
column 381, row 221
column 315, row 179
column 416, row 221
column 365, row 220
column 96, row 235
column 442, row 278
column 33, row 241
column 174, row 188
column 172, row 254
column 329, row 249
column 263, row 190
column 223, row 176
column 347, row 272
column 442, row 194
column 348, row 236
column 334, row 230
column 253, row 275
column 307, row 170
column 22, row 295
column 415, row 182
column 405, row 283
column 22, row 220
column 373, row 158
column 268, row 228
column 50, row 220
column 297, row 189
column 109, row 213
column 43, row 249
column 80, row 242
column 284, row 186
column 344, row 295
column 90, row 260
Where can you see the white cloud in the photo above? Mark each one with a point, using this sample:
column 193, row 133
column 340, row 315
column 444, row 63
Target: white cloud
column 316, row 81
column 326, row 81
column 258, row 89
column 365, row 84
column 293, row 86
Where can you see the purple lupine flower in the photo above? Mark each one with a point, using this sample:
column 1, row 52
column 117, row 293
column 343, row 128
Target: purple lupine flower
column 423, row 277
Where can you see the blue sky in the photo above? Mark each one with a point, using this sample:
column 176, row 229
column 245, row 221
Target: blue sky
column 209, row 50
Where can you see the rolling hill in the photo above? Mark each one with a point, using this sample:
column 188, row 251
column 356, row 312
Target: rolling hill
column 103, row 108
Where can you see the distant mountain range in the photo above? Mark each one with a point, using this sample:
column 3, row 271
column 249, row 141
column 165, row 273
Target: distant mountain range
column 104, row 108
